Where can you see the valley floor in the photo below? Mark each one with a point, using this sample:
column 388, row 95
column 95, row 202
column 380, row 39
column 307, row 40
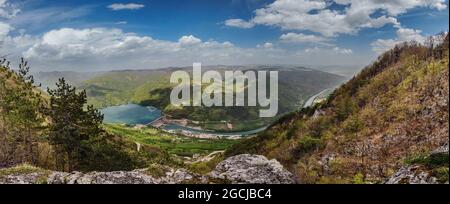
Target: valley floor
column 176, row 144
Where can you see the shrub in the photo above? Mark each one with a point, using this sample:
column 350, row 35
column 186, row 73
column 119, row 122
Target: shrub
column 358, row 179
column 156, row 171
column 431, row 161
column 308, row 143
column 441, row 174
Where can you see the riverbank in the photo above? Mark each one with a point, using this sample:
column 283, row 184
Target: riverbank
column 133, row 114
column 312, row 99
column 180, row 126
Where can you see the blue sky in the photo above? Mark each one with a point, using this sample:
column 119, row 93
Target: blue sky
column 112, row 34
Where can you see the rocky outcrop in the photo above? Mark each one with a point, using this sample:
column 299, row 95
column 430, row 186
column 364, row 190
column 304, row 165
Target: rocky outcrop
column 422, row 173
column 28, row 178
column 242, row 169
column 412, row 175
column 142, row 176
column 254, row 169
column 440, row 150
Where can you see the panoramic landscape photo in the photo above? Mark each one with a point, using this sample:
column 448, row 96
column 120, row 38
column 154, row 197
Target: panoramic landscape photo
column 224, row 92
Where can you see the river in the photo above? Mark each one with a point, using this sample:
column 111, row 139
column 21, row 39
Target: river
column 133, row 114
column 310, row 101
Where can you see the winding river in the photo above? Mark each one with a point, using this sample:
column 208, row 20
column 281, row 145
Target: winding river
column 133, row 114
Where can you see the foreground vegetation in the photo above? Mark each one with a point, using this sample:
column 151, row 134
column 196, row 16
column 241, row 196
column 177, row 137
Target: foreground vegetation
column 57, row 131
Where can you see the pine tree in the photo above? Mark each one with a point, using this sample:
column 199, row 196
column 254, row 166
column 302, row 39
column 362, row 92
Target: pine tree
column 21, row 117
column 72, row 125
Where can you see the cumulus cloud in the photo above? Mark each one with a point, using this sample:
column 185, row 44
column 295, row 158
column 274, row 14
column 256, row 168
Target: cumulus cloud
column 342, row 51
column 106, row 49
column 403, row 35
column 393, row 7
column 130, row 6
column 327, row 51
column 317, row 16
column 189, row 40
column 266, row 45
column 96, row 49
column 302, row 38
column 5, row 29
column 13, row 46
column 239, row 23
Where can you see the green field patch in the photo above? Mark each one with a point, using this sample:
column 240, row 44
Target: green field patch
column 173, row 144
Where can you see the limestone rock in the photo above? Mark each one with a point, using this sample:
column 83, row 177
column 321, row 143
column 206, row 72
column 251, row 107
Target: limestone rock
column 418, row 174
column 254, row 169
column 247, row 169
column 411, row 175
column 31, row 178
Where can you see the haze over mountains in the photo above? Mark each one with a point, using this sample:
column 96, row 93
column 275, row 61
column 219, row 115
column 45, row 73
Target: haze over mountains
column 49, row 78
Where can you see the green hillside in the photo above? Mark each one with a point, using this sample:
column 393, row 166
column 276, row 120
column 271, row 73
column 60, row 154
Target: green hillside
column 152, row 87
column 391, row 114
column 173, row 144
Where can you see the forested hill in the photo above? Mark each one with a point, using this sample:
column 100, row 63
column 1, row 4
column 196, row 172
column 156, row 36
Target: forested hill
column 391, row 115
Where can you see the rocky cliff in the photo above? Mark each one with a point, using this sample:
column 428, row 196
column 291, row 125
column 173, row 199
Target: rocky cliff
column 241, row 169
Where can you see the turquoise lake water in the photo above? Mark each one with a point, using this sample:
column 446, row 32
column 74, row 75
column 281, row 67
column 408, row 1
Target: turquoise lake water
column 131, row 114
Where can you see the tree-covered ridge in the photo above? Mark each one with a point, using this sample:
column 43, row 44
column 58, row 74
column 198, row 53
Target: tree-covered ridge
column 394, row 111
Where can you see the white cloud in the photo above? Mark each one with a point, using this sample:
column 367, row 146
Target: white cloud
column 105, row 49
column 130, row 6
column 393, row 7
column 189, row 40
column 266, row 45
column 13, row 46
column 302, row 38
column 327, row 51
column 8, row 10
column 121, row 22
column 5, row 29
column 403, row 35
column 317, row 16
column 239, row 23
column 96, row 49
column 382, row 45
column 406, row 34
column 343, row 51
